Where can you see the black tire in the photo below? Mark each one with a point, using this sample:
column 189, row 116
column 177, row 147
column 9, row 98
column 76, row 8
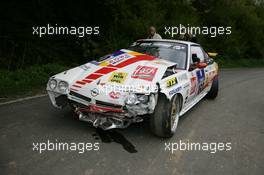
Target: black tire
column 212, row 94
column 161, row 120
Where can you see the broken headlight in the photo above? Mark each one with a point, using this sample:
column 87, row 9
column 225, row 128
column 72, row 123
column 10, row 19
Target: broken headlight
column 143, row 98
column 63, row 86
column 131, row 99
column 135, row 99
column 52, row 84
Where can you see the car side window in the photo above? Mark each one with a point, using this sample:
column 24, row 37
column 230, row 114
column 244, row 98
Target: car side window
column 199, row 52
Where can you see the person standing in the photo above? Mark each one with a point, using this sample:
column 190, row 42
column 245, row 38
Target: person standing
column 153, row 34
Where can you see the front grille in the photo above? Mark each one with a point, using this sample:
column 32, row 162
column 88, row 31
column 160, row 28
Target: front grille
column 80, row 96
column 102, row 103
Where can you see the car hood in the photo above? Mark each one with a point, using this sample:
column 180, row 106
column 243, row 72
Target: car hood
column 122, row 69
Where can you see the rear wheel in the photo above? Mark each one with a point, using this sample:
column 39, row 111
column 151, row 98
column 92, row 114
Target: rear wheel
column 212, row 94
column 164, row 120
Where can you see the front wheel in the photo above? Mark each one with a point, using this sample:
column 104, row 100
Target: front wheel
column 164, row 120
column 212, row 94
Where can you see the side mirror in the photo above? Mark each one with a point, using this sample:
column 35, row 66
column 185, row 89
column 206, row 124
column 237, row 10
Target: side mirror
column 212, row 54
column 201, row 65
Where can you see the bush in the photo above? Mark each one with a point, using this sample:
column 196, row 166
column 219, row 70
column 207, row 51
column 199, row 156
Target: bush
column 25, row 80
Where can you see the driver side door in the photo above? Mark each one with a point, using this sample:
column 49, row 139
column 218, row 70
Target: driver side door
column 196, row 73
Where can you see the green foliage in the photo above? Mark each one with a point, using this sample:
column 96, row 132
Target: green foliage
column 23, row 80
column 241, row 63
column 122, row 22
column 246, row 20
column 27, row 61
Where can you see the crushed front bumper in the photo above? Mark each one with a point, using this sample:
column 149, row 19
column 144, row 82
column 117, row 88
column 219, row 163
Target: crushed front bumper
column 102, row 114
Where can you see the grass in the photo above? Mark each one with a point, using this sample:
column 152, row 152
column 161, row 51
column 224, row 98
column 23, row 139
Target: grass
column 241, row 63
column 32, row 80
column 27, row 81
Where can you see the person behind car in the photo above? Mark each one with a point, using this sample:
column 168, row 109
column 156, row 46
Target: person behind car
column 153, row 34
column 185, row 36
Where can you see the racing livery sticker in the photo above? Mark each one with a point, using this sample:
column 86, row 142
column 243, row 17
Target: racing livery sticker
column 118, row 77
column 201, row 79
column 207, row 78
column 171, row 82
column 193, row 85
column 108, row 68
column 94, row 62
column 144, row 72
column 120, row 58
column 174, row 91
column 114, row 95
column 114, row 60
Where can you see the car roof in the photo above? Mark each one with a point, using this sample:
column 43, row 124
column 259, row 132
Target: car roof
column 168, row 40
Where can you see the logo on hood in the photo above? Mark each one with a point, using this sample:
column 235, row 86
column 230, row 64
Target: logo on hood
column 94, row 92
column 114, row 95
column 144, row 72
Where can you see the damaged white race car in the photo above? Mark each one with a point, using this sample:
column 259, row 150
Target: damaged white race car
column 162, row 78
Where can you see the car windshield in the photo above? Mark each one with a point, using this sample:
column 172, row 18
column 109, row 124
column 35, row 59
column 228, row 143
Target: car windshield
column 171, row 51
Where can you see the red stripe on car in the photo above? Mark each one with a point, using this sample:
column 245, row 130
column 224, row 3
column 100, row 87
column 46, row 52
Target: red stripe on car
column 80, row 82
column 93, row 76
column 72, row 89
column 135, row 59
column 105, row 70
column 87, row 81
column 76, row 86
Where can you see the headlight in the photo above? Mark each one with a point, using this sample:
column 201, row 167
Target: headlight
column 131, row 99
column 62, row 86
column 52, row 84
column 143, row 98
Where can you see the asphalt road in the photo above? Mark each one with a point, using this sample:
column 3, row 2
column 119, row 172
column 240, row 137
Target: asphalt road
column 236, row 116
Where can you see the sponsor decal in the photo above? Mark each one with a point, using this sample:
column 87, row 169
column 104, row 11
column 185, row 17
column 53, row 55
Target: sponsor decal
column 161, row 44
column 116, row 58
column 174, row 91
column 171, row 82
column 94, row 92
column 207, row 78
column 201, row 79
column 193, row 85
column 118, row 77
column 108, row 69
column 94, row 62
column 179, row 47
column 200, row 75
column 144, row 72
column 120, row 58
column 115, row 95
